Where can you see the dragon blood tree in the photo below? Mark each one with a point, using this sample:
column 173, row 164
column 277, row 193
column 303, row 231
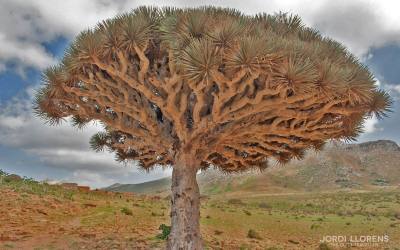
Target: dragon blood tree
column 194, row 88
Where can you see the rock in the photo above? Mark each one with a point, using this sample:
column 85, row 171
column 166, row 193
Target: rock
column 67, row 185
column 294, row 242
column 86, row 205
column 84, row 189
column 88, row 235
column 40, row 211
column 385, row 145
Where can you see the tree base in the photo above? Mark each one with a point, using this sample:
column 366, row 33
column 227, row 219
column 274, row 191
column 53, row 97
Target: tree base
column 185, row 208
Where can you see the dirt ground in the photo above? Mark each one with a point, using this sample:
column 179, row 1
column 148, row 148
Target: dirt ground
column 75, row 220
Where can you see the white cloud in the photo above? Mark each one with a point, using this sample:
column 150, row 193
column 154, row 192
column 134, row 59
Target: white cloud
column 26, row 53
column 2, row 68
column 28, row 25
column 371, row 125
column 89, row 178
column 394, row 90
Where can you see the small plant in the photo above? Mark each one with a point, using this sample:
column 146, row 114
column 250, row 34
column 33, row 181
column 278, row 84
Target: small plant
column 323, row 246
column 264, row 205
column 314, row 226
column 126, row 211
column 247, row 212
column 165, row 231
column 252, row 234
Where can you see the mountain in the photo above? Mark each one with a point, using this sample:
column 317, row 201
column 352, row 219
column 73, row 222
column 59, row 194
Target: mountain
column 142, row 188
column 338, row 166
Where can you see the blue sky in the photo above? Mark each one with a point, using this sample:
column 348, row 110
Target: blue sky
column 35, row 33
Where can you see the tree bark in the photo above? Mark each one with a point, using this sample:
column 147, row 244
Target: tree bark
column 185, row 206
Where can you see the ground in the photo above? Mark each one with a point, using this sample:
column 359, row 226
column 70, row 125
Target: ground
column 37, row 216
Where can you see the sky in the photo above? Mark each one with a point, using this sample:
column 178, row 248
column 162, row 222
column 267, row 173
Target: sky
column 35, row 33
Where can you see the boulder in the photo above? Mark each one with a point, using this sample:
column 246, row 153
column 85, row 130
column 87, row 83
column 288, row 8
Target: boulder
column 85, row 189
column 69, row 185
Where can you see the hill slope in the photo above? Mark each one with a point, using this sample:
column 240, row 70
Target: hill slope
column 37, row 215
column 142, row 188
column 358, row 166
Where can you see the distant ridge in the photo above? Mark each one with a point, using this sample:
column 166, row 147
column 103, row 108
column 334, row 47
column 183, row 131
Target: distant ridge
column 376, row 145
column 141, row 188
column 357, row 166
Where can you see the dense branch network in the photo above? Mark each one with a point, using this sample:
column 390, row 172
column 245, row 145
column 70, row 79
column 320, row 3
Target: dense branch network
column 230, row 89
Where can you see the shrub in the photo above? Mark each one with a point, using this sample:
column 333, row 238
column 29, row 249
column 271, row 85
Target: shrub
column 253, row 235
column 323, row 246
column 247, row 212
column 264, row 205
column 126, row 211
column 314, row 226
column 165, row 231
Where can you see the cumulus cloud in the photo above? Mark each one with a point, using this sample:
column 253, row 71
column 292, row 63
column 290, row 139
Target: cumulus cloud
column 371, row 125
column 394, row 90
column 64, row 147
column 28, row 25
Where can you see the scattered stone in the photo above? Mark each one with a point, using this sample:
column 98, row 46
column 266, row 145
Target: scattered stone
column 294, row 242
column 218, row 232
column 84, row 189
column 88, row 235
column 86, row 205
column 71, row 185
column 40, row 211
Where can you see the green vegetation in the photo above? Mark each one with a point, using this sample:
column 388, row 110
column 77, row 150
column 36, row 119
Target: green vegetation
column 30, row 186
column 126, row 211
column 253, row 235
column 165, row 231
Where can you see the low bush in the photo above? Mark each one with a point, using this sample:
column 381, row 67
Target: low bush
column 264, row 205
column 165, row 231
column 126, row 211
column 252, row 234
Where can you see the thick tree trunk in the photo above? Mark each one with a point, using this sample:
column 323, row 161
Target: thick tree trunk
column 185, row 207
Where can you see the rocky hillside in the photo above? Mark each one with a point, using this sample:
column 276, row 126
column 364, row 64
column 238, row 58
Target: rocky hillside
column 357, row 166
